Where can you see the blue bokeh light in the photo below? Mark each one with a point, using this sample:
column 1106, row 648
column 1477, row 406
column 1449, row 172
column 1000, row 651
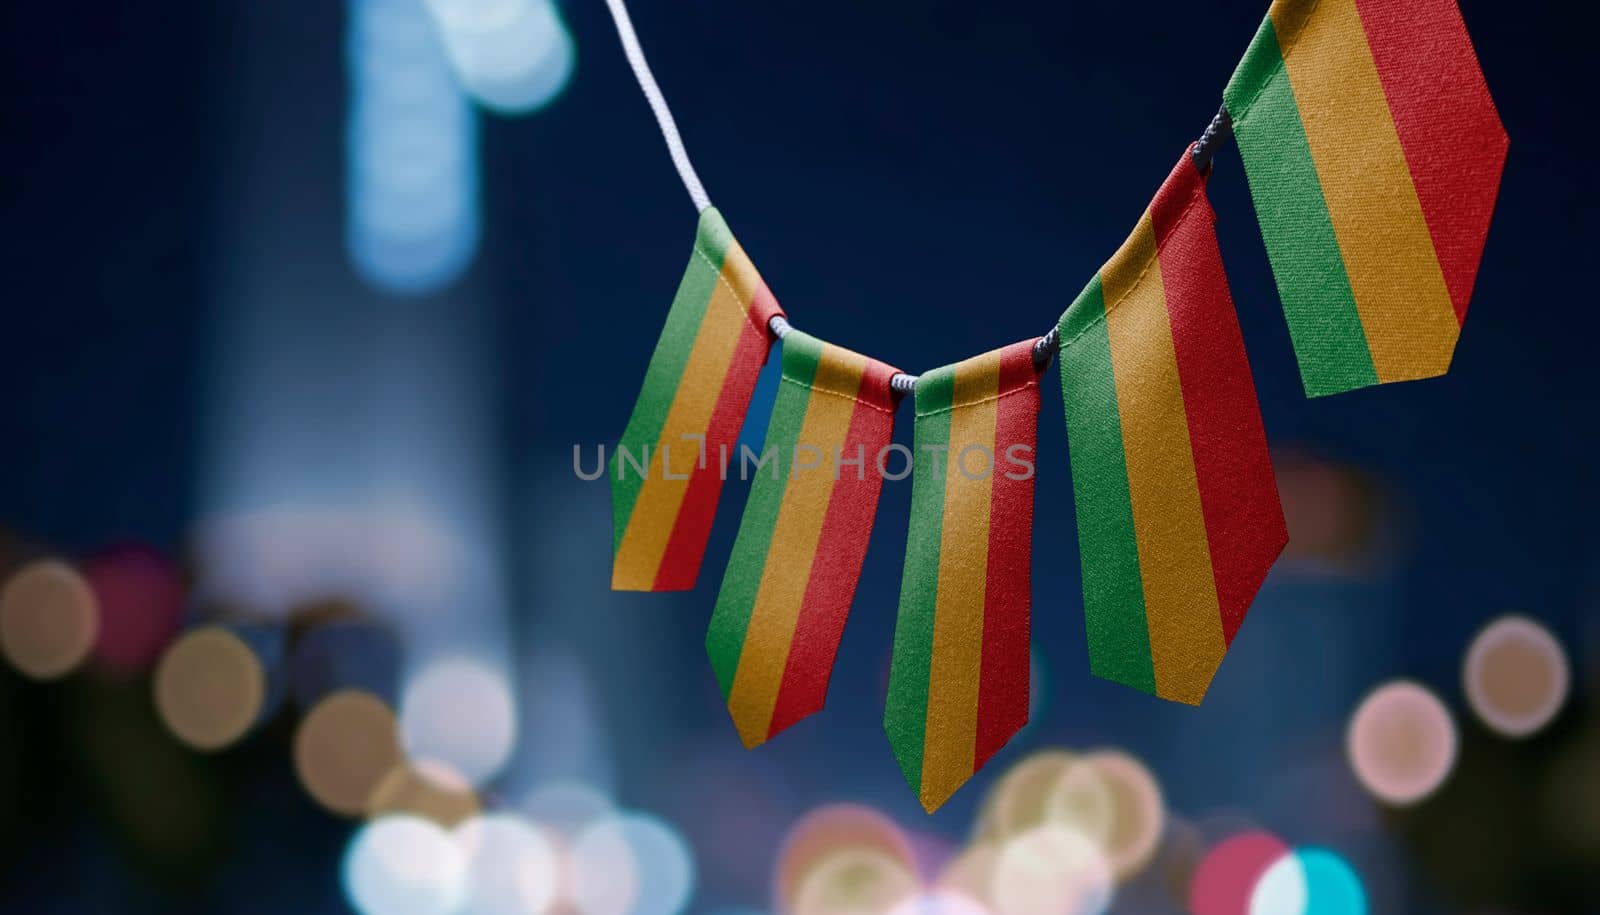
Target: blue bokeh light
column 1309, row 881
column 413, row 210
column 511, row 56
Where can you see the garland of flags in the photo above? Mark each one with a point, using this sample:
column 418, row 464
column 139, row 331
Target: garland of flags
column 1373, row 152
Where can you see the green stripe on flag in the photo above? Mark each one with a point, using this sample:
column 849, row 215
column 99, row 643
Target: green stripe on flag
column 737, row 598
column 667, row 365
column 1113, row 589
column 906, row 708
column 1312, row 281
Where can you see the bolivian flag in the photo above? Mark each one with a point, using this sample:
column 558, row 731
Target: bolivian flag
column 795, row 563
column 666, row 472
column 1178, row 514
column 1374, row 154
column 958, row 681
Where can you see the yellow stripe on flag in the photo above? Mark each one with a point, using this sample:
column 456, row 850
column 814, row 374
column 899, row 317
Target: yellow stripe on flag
column 1399, row 288
column 740, row 273
column 952, row 726
column 793, row 548
column 656, row 510
column 1180, row 595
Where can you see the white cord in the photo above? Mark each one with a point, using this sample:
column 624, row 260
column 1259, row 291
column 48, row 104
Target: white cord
column 1042, row 351
column 658, row 104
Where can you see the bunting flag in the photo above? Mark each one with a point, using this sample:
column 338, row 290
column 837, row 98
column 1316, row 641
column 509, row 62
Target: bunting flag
column 1178, row 513
column 665, row 473
column 1374, row 152
column 958, row 681
column 789, row 583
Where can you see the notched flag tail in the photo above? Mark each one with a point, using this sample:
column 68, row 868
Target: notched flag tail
column 958, row 681
column 1374, row 153
column 1178, row 512
column 795, row 563
column 666, row 472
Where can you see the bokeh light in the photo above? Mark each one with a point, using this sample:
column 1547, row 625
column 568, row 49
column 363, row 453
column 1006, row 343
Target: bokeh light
column 460, row 712
column 828, row 829
column 512, row 56
column 940, row 902
column 855, row 881
column 971, row 872
column 1226, row 878
column 140, row 593
column 427, row 788
column 48, row 619
column 210, row 688
column 1081, row 800
column 1516, row 676
column 1333, row 888
column 400, row 865
column 631, row 863
column 1020, row 799
column 1137, row 814
column 1282, row 890
column 512, row 868
column 1401, row 743
column 1309, row 881
column 1051, row 870
column 412, row 152
column 344, row 748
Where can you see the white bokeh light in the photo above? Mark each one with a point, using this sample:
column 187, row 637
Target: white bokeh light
column 1309, row 881
column 631, row 864
column 1282, row 889
column 940, row 902
column 512, row 869
column 460, row 712
column 404, row 865
column 1051, row 870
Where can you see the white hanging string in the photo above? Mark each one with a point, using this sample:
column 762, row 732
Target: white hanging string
column 658, row 104
column 1215, row 134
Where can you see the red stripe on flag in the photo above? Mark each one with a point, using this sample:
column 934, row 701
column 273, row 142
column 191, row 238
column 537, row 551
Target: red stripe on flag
column 686, row 546
column 1238, row 492
column 1004, row 676
column 1452, row 136
column 841, row 548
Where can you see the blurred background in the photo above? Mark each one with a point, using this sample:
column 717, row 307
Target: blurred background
column 304, row 609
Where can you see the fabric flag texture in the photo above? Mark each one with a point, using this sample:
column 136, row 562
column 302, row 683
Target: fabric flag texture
column 798, row 554
column 1178, row 512
column 665, row 473
column 958, row 681
column 1374, row 152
